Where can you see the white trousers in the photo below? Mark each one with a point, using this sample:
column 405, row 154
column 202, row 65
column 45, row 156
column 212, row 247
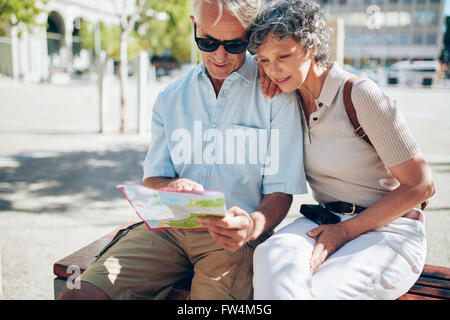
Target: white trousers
column 379, row 264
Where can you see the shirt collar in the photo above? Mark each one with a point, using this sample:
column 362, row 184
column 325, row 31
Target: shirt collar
column 332, row 84
column 246, row 71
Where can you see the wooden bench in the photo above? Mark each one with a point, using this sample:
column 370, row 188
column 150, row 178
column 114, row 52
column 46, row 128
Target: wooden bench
column 433, row 284
column 86, row 255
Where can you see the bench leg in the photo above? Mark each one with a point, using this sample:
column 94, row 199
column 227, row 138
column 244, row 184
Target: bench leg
column 59, row 284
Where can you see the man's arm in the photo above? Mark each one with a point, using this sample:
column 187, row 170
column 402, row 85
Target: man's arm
column 159, row 170
column 271, row 211
column 238, row 227
column 283, row 176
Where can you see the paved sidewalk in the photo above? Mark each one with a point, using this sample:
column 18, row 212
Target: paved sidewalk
column 57, row 187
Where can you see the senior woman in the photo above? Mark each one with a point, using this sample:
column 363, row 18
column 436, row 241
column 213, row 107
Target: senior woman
column 379, row 250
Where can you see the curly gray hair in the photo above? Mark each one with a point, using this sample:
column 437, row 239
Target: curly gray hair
column 300, row 19
column 243, row 10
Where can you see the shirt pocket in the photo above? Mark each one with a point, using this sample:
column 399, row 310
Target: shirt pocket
column 245, row 149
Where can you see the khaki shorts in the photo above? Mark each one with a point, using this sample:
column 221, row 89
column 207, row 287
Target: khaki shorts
column 143, row 264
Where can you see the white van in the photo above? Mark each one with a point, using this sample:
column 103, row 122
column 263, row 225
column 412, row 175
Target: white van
column 413, row 73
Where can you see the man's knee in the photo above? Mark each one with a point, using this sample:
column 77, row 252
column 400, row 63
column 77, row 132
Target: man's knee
column 86, row 291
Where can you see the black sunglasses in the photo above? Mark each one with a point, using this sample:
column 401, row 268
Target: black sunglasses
column 211, row 44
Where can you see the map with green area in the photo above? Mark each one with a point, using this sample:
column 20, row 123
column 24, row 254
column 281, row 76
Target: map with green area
column 162, row 209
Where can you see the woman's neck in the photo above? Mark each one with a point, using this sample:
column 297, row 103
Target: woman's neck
column 312, row 86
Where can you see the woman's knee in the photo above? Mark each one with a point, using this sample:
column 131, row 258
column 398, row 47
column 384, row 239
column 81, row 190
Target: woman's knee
column 262, row 254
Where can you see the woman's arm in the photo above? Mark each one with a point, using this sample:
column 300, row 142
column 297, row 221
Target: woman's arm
column 416, row 186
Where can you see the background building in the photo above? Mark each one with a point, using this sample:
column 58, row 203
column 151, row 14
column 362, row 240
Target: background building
column 386, row 31
column 34, row 56
column 377, row 32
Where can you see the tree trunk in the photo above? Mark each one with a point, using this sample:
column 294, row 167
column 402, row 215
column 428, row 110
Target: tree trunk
column 123, row 77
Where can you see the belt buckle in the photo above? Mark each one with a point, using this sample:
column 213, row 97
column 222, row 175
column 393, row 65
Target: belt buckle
column 352, row 212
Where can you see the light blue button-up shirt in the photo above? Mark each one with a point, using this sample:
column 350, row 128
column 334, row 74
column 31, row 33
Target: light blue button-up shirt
column 238, row 142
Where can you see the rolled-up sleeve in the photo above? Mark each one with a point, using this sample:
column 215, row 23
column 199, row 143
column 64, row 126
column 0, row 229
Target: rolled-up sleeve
column 284, row 169
column 383, row 124
column 158, row 162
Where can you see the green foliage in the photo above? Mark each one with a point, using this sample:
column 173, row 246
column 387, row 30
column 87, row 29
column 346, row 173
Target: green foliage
column 173, row 33
column 151, row 33
column 110, row 40
column 210, row 203
column 15, row 12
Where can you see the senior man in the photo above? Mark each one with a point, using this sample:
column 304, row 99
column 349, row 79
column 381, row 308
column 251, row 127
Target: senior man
column 212, row 129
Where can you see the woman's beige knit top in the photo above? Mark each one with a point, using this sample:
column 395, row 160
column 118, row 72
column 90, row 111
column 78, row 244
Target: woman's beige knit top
column 339, row 165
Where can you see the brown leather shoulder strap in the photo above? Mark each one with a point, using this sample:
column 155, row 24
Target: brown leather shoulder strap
column 350, row 108
column 351, row 112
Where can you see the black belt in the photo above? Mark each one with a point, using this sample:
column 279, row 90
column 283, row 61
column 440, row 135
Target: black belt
column 344, row 207
column 350, row 208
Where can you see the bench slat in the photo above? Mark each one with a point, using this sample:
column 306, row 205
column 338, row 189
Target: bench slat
column 86, row 255
column 436, row 272
column 411, row 296
column 430, row 291
column 81, row 258
column 434, row 282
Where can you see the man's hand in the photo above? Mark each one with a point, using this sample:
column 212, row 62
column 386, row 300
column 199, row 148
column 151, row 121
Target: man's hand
column 185, row 184
column 174, row 183
column 232, row 231
column 238, row 227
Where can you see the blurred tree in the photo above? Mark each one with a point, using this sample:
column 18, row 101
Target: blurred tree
column 161, row 25
column 110, row 35
column 166, row 24
column 129, row 13
column 118, row 41
column 15, row 12
column 150, row 25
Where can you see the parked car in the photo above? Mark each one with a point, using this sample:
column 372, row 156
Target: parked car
column 164, row 65
column 413, row 73
column 363, row 73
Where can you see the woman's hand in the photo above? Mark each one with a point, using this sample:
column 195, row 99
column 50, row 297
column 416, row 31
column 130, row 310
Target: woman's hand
column 268, row 87
column 330, row 237
column 416, row 186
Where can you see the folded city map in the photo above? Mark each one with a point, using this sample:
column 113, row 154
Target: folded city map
column 169, row 208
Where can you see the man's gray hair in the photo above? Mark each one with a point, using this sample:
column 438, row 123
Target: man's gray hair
column 244, row 11
column 300, row 19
